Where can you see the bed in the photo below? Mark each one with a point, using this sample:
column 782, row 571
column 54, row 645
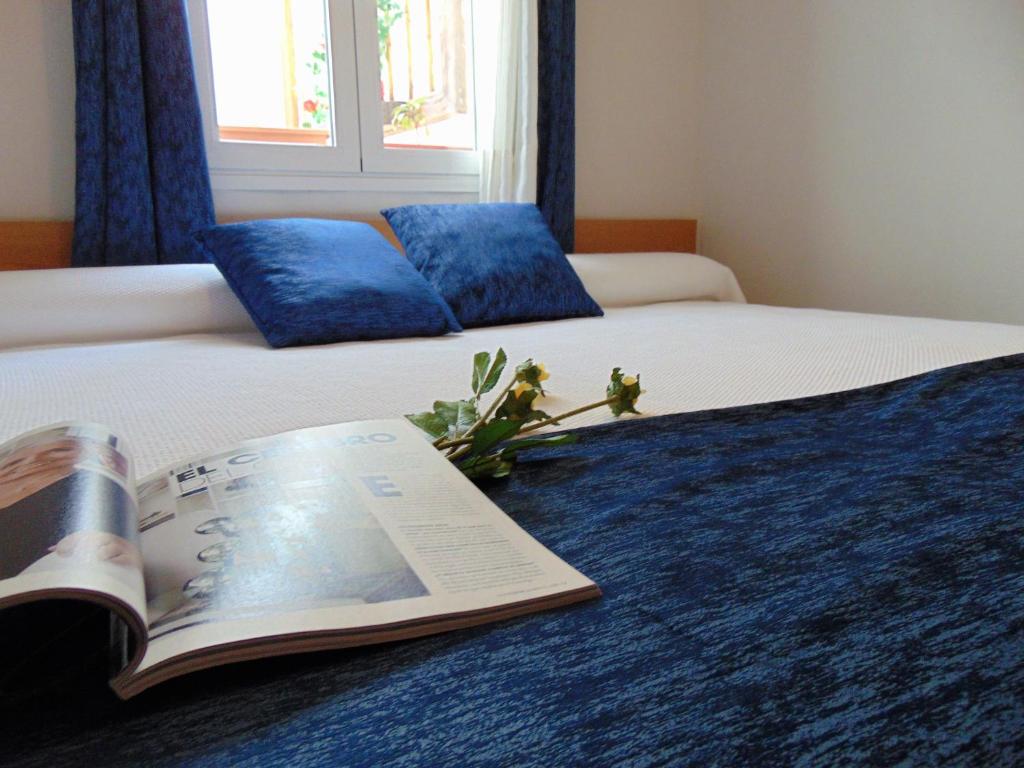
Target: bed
column 719, row 673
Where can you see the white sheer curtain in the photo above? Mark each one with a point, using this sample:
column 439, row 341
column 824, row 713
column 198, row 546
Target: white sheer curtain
column 505, row 41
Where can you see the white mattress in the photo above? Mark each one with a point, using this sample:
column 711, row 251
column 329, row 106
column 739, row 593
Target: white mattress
column 175, row 396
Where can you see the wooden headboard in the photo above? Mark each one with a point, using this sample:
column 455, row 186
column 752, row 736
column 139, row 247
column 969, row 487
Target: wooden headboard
column 47, row 244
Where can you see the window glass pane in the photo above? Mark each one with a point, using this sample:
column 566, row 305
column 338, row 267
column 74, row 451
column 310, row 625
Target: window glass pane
column 270, row 70
column 426, row 80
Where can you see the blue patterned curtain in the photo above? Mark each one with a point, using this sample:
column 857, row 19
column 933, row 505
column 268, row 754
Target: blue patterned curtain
column 556, row 117
column 142, row 184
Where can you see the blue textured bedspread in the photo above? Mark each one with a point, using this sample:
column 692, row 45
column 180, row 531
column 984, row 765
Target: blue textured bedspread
column 831, row 580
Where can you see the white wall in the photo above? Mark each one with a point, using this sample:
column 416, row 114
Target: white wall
column 867, row 155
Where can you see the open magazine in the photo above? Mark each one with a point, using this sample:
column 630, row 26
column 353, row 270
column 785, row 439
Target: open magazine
column 320, row 538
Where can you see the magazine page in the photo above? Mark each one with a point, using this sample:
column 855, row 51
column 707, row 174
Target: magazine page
column 70, row 522
column 356, row 526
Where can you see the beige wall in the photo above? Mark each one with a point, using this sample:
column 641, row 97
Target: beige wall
column 637, row 87
column 37, row 110
column 867, row 155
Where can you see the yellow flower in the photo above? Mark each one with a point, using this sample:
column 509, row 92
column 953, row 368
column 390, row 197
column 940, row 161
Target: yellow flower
column 623, row 392
column 543, row 374
column 523, row 386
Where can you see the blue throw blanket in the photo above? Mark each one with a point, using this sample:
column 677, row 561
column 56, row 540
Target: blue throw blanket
column 831, row 580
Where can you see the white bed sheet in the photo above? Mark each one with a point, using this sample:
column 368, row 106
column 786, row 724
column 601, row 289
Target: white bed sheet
column 175, row 396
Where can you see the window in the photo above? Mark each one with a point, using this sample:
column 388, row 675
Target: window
column 340, row 94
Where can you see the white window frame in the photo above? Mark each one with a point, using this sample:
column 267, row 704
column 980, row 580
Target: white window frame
column 358, row 160
column 377, row 157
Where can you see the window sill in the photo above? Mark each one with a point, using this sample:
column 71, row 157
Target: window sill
column 290, row 181
column 274, row 135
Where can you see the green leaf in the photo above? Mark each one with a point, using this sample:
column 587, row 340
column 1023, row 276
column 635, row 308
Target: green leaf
column 501, row 469
column 529, row 443
column 492, row 433
column 517, row 407
column 500, row 463
column 481, row 360
column 486, row 466
column 458, row 415
column 494, row 374
column 467, row 417
column 622, row 406
column 448, row 410
column 429, row 423
column 521, row 408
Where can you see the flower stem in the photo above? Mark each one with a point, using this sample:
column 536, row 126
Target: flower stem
column 457, row 453
column 537, row 425
column 493, row 407
column 568, row 414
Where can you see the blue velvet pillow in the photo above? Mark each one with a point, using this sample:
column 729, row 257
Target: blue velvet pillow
column 493, row 263
column 310, row 281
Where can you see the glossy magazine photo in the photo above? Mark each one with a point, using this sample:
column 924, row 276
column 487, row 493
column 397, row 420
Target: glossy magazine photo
column 326, row 537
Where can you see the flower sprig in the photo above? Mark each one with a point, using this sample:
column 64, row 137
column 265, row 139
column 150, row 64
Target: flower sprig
column 482, row 444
